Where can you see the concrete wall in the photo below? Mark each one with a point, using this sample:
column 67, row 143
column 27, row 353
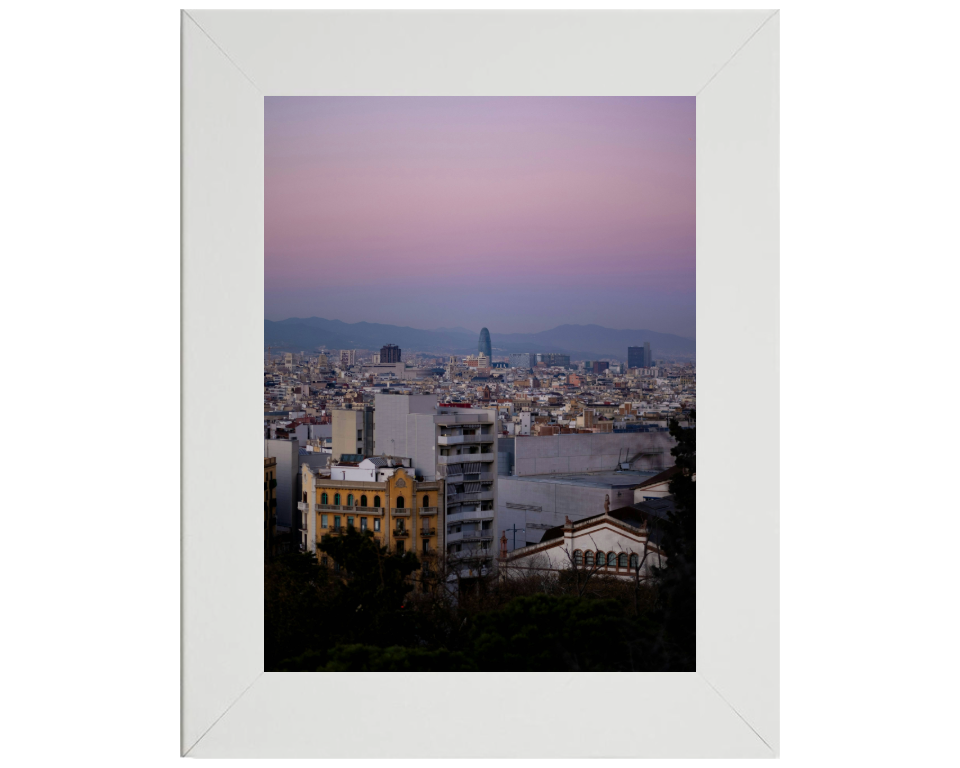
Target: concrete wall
column 287, row 454
column 555, row 501
column 591, row 452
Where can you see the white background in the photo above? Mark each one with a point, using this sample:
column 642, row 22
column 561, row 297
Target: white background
column 91, row 571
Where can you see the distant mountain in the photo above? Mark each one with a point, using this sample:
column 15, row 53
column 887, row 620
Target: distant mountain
column 578, row 341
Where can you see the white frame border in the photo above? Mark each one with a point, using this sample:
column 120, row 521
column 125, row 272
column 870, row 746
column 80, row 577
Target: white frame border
column 730, row 61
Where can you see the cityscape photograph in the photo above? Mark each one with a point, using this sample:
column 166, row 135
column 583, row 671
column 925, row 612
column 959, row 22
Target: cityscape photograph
column 479, row 377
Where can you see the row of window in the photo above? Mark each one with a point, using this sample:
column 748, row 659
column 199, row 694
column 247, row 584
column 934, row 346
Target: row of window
column 400, row 524
column 325, row 499
column 605, row 559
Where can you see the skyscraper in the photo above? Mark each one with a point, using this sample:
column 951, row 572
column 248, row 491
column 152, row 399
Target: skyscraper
column 484, row 345
column 640, row 357
column 389, row 353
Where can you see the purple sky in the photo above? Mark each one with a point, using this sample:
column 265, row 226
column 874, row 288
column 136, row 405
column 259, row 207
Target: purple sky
column 518, row 214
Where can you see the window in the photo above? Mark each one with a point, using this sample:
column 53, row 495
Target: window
column 426, row 545
column 336, row 521
column 363, row 523
column 612, row 559
column 323, row 521
column 400, row 524
column 363, row 501
column 323, row 561
column 376, row 524
column 349, row 499
column 634, row 561
column 601, row 558
column 350, row 522
column 399, row 547
column 324, row 499
column 623, row 559
column 588, row 559
column 578, row 558
column 336, row 499
column 400, row 502
column 426, row 500
column 376, row 501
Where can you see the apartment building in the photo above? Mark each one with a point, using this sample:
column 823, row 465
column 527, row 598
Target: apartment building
column 352, row 431
column 455, row 443
column 378, row 494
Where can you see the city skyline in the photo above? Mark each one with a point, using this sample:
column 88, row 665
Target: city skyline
column 551, row 210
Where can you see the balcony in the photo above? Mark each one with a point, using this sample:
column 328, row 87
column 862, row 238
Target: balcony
column 400, row 512
column 428, row 510
column 462, row 457
column 470, row 515
column 487, row 535
column 462, row 439
column 401, row 533
column 375, row 511
column 427, row 532
column 302, row 506
column 461, row 498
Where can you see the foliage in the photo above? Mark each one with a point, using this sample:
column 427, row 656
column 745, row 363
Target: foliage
column 365, row 616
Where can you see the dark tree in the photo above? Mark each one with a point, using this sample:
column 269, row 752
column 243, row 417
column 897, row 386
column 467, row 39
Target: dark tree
column 677, row 583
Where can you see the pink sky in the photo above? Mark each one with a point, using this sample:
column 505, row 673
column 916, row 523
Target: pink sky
column 513, row 213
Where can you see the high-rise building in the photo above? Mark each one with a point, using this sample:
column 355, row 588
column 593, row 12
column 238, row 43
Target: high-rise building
column 484, row 346
column 599, row 366
column 456, row 444
column 554, row 359
column 389, row 353
column 348, row 357
column 640, row 357
column 522, row 359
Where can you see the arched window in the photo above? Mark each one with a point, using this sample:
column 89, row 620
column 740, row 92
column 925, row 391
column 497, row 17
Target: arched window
column 349, row 499
column 336, row 499
column 376, row 501
column 324, row 499
column 612, row 559
column 426, row 500
column 601, row 558
column 634, row 561
column 399, row 502
column 588, row 558
column 623, row 559
column 578, row 558
column 363, row 501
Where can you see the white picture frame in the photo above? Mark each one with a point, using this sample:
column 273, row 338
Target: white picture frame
column 729, row 60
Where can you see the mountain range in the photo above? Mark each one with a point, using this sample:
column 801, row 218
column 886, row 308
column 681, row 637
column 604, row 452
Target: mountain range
column 579, row 341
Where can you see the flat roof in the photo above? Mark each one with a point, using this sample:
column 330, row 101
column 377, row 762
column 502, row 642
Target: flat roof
column 606, row 479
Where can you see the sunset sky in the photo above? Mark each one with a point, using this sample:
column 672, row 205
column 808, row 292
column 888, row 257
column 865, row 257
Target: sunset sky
column 518, row 214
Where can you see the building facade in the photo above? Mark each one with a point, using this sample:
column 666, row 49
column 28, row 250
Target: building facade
column 484, row 347
column 522, row 360
column 352, row 431
column 457, row 445
column 377, row 494
column 610, row 544
column 390, row 353
column 640, row 357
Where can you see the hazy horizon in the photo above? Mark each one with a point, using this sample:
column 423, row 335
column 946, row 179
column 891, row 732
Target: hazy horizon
column 504, row 212
column 476, row 331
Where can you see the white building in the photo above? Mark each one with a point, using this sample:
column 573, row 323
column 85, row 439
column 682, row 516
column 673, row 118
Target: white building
column 612, row 543
column 455, row 444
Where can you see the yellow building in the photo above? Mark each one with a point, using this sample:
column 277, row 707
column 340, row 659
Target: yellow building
column 269, row 506
column 377, row 494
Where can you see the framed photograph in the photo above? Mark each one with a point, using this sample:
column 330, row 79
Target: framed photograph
column 477, row 264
